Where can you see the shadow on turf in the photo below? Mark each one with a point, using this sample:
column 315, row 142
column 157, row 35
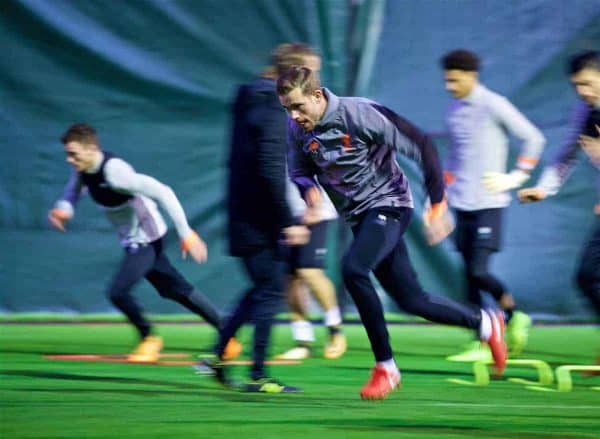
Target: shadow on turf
column 99, row 378
column 374, row 425
column 45, row 351
column 190, row 389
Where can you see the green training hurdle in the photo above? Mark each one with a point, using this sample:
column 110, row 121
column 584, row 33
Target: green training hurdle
column 482, row 375
column 563, row 375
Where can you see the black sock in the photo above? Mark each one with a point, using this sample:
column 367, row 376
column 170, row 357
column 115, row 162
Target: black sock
column 303, row 344
column 333, row 330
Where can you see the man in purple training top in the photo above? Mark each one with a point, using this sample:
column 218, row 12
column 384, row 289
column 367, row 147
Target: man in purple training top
column 349, row 146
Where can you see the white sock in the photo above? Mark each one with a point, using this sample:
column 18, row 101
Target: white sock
column 485, row 329
column 333, row 317
column 389, row 365
column 302, row 331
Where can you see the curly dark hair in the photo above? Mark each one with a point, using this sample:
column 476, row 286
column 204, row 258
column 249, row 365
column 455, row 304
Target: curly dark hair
column 460, row 59
column 590, row 59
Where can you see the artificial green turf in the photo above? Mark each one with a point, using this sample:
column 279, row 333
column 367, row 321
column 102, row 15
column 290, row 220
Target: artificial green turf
column 61, row 399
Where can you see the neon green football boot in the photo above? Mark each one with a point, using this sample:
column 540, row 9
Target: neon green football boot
column 475, row 351
column 517, row 332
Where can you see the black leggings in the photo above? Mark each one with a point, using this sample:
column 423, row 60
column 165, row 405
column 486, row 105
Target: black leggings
column 588, row 274
column 478, row 276
column 151, row 263
column 259, row 304
column 378, row 246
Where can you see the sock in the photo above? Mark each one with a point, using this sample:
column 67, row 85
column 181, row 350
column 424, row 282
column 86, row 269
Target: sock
column 302, row 331
column 485, row 330
column 389, row 365
column 333, row 317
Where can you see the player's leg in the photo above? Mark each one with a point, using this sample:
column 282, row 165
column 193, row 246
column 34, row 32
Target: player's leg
column 323, row 291
column 267, row 270
column 487, row 241
column 311, row 269
column 302, row 330
column 588, row 273
column 464, row 237
column 399, row 279
column 136, row 262
column 170, row 284
column 374, row 238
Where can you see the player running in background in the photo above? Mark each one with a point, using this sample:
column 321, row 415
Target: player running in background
column 584, row 133
column 349, row 146
column 478, row 184
column 259, row 219
column 307, row 271
column 129, row 200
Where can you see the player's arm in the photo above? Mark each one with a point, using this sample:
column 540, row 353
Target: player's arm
column 533, row 144
column 64, row 209
column 271, row 161
column 122, row 177
column 554, row 176
column 302, row 170
column 591, row 146
column 392, row 129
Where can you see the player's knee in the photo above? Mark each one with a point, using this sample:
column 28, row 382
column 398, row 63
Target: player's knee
column 117, row 296
column 352, row 271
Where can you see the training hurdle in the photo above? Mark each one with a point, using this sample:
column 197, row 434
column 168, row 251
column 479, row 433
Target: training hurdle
column 482, row 375
column 564, row 382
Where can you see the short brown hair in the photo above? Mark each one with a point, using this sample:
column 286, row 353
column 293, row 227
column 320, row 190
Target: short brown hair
column 80, row 132
column 298, row 77
column 290, row 54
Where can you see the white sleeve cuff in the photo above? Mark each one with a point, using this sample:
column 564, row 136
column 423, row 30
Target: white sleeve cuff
column 65, row 206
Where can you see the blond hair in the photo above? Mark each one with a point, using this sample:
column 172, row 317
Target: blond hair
column 298, row 77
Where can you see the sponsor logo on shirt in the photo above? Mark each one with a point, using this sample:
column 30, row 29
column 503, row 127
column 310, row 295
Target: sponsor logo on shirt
column 347, row 143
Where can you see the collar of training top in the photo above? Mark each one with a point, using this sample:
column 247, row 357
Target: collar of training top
column 475, row 95
column 333, row 103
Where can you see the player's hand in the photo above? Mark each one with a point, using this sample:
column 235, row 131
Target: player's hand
column 312, row 215
column 449, row 178
column 195, row 246
column 597, row 209
column 438, row 222
column 312, row 197
column 296, row 235
column 591, row 146
column 58, row 218
column 496, row 182
column 531, row 194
